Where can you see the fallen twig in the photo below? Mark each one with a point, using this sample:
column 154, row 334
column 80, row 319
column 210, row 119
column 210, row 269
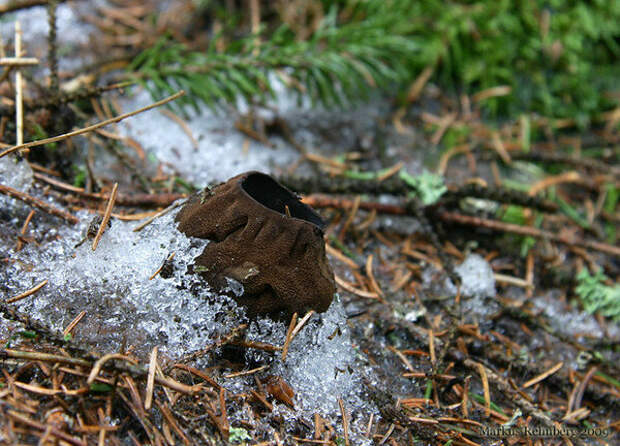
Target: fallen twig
column 345, row 421
column 20, row 240
column 106, row 216
column 528, row 231
column 25, row 294
column 161, row 213
column 91, row 127
column 40, row 204
column 101, row 361
column 45, row 428
column 150, row 381
column 289, row 338
column 163, row 199
column 48, row 357
column 73, row 323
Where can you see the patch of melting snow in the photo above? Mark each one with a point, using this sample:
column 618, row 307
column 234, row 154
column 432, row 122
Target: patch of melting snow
column 573, row 322
column 220, row 153
column 179, row 313
column 15, row 173
column 477, row 278
column 321, row 355
column 72, row 31
column 477, row 286
column 112, row 285
column 322, row 366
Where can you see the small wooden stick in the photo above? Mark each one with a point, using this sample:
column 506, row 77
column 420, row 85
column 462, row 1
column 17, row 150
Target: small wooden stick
column 99, row 364
column 516, row 281
column 168, row 259
column 345, row 421
column 48, row 357
column 301, row 323
column 19, row 89
column 18, row 61
column 351, row 289
column 27, row 222
column 25, row 294
column 150, row 382
column 73, row 323
column 141, row 226
column 431, row 347
column 340, row 256
column 373, row 282
column 35, row 202
column 179, row 387
column 289, row 336
column 168, row 416
column 106, row 216
column 247, row 372
column 485, row 388
column 403, row 359
column 262, row 399
column 544, row 375
column 36, row 389
column 198, row 373
column 391, row 171
column 465, row 398
column 498, row 146
column 20, row 244
column 184, row 126
column 21, row 4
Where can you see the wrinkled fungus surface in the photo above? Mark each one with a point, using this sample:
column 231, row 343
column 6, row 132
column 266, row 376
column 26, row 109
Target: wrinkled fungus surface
column 264, row 238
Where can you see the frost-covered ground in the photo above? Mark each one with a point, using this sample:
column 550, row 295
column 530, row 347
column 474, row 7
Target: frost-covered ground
column 179, row 313
column 220, row 151
column 122, row 306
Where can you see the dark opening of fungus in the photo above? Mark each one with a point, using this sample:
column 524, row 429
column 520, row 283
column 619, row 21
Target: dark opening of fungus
column 271, row 194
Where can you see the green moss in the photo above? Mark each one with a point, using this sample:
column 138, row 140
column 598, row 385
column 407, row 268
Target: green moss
column 597, row 297
column 238, row 435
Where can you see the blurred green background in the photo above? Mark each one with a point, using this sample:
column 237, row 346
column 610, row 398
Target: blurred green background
column 556, row 58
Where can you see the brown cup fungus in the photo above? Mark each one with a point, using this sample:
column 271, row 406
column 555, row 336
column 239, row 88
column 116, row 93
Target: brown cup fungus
column 264, row 237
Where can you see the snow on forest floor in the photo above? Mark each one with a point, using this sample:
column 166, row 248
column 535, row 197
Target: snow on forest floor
column 123, row 305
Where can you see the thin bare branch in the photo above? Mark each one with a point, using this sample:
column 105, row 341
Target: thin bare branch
column 91, row 127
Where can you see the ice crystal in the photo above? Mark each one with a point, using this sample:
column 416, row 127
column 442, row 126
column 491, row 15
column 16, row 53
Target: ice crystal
column 178, row 312
column 113, row 286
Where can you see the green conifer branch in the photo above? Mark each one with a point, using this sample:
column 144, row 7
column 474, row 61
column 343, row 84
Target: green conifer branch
column 565, row 68
column 337, row 63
